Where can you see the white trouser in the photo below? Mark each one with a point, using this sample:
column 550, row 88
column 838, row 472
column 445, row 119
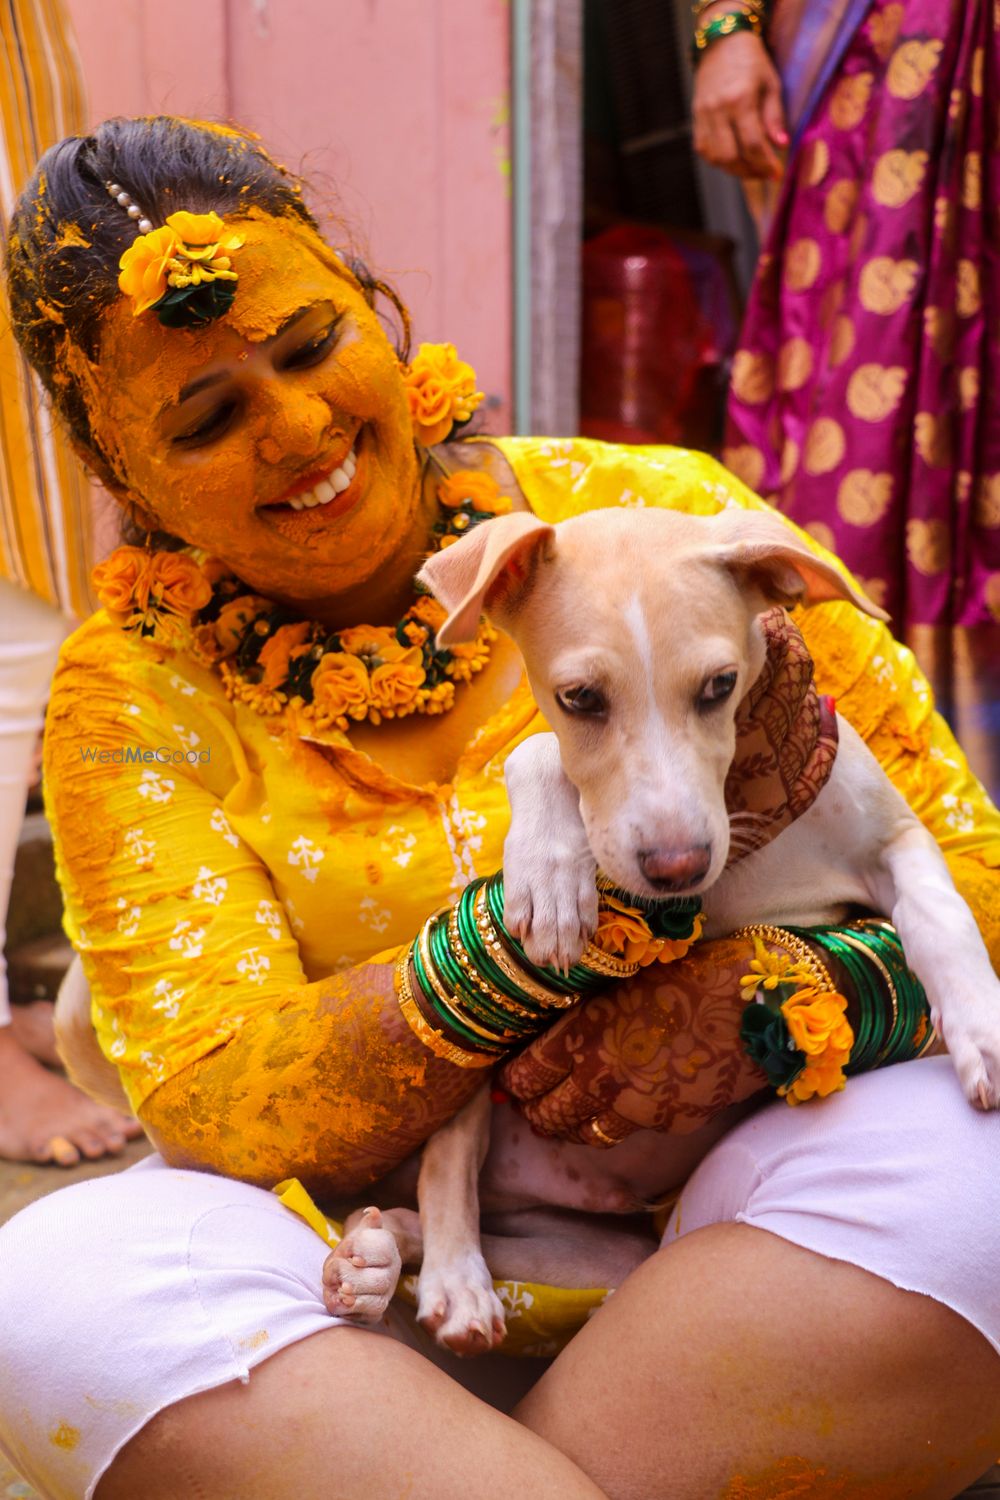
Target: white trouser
column 128, row 1293
column 31, row 633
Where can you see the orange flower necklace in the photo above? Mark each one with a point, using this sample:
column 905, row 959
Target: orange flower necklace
column 270, row 658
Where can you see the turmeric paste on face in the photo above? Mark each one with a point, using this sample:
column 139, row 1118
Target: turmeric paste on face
column 273, row 419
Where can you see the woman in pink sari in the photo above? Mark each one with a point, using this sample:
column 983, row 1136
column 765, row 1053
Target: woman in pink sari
column 863, row 394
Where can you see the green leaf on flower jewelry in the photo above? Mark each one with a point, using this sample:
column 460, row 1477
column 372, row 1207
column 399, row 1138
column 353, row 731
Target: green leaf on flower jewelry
column 767, row 1042
column 298, row 683
column 194, row 306
column 672, row 919
column 435, row 663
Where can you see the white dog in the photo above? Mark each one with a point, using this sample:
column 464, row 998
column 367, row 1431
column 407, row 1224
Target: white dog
column 640, row 633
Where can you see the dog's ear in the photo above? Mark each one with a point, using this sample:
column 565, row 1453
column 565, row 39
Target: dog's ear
column 485, row 571
column 761, row 547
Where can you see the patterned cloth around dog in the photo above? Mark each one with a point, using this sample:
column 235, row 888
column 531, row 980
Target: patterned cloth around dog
column 786, row 739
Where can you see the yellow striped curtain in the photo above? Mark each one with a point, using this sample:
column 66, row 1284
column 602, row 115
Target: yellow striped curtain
column 45, row 499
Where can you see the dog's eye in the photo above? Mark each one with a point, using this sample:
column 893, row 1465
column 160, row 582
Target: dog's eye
column 717, row 689
column 582, row 700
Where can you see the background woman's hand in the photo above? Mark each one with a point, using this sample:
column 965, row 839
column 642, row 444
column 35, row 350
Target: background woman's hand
column 739, row 119
column 661, row 1052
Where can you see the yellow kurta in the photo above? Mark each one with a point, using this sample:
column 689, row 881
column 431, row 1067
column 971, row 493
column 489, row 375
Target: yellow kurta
column 213, row 861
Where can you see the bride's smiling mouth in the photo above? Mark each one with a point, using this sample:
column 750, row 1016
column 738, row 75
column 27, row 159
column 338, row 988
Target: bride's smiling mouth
column 320, row 495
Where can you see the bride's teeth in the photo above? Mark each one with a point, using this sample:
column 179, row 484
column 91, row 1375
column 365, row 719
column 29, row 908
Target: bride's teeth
column 335, row 484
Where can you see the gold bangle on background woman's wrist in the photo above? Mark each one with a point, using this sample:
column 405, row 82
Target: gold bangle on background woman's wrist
column 743, row 19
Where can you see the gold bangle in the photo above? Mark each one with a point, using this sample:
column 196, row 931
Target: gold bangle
column 437, row 985
column 607, row 964
column 433, row 1040
column 595, row 1129
column 876, row 924
column 472, row 974
column 745, row 8
column 551, row 999
column 792, row 945
column 702, row 40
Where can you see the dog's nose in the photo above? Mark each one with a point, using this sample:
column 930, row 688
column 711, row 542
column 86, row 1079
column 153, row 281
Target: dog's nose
column 675, row 869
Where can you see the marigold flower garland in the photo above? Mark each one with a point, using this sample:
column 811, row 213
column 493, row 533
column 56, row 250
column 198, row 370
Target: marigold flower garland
column 143, row 590
column 271, row 659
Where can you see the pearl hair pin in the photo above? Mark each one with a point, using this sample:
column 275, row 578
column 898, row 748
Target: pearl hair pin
column 133, row 210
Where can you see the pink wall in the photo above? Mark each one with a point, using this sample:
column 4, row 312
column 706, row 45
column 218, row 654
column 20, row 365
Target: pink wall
column 396, row 110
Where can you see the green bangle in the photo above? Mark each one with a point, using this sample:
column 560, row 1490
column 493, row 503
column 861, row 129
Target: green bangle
column 912, row 1033
column 869, row 1030
column 450, row 1023
column 873, row 956
column 475, row 994
column 524, row 1006
column 891, row 1020
column 727, row 25
column 576, row 982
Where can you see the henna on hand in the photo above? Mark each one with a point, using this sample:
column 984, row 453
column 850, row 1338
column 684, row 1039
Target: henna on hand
column 660, row 1052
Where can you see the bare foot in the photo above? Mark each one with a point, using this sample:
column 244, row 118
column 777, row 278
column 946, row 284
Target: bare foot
column 44, row 1118
column 32, row 1026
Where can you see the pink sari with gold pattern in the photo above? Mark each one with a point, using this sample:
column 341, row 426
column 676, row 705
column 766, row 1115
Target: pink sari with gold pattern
column 862, row 398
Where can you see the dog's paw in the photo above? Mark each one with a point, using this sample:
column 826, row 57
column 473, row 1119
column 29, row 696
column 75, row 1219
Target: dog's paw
column 457, row 1304
column 550, row 903
column 360, row 1274
column 973, row 1041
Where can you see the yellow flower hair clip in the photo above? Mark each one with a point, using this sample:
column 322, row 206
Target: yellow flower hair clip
column 183, row 271
column 441, row 392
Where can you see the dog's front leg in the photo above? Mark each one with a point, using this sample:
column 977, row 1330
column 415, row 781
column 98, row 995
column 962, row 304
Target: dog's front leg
column 946, row 951
column 455, row 1297
column 550, row 895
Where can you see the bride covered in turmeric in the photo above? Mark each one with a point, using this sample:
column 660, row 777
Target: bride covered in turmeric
column 264, row 777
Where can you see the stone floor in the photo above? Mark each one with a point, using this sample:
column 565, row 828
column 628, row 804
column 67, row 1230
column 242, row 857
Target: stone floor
column 21, row 1184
